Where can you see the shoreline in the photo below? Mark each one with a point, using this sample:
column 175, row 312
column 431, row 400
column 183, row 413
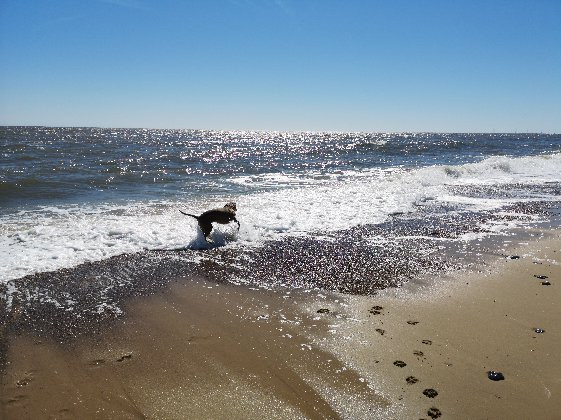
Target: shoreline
column 201, row 349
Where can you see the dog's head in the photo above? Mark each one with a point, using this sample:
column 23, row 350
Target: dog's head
column 231, row 206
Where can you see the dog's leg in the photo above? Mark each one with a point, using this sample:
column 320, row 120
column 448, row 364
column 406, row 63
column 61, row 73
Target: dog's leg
column 206, row 228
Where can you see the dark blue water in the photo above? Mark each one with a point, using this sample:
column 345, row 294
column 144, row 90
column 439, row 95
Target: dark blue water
column 41, row 165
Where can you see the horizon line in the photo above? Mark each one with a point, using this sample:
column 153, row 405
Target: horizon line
column 274, row 131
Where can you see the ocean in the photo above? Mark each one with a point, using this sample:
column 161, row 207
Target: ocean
column 90, row 215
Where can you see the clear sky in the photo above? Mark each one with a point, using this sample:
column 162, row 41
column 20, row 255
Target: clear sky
column 348, row 65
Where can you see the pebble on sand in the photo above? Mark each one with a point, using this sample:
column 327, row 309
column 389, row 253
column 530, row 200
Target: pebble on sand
column 495, row 376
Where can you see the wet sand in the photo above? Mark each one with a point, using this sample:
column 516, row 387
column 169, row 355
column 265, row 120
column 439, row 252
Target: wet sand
column 203, row 350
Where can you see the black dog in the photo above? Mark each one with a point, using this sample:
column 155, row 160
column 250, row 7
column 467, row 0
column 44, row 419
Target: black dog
column 222, row 215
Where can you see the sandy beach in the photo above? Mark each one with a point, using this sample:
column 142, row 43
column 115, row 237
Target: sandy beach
column 197, row 349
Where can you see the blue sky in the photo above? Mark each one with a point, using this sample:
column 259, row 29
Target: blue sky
column 417, row 65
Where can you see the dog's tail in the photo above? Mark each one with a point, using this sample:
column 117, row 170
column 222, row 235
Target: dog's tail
column 187, row 214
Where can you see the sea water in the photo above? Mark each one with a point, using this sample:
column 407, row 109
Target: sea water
column 75, row 195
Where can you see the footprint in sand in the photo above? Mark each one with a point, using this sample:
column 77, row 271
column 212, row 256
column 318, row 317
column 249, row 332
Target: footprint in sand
column 411, row 380
column 427, row 342
column 381, row 331
column 429, row 392
column 96, row 362
column 23, row 382
column 434, row 413
column 400, row 363
column 375, row 310
column 16, row 399
column 26, row 380
column 124, row 357
column 420, row 355
column 65, row 413
column 412, row 322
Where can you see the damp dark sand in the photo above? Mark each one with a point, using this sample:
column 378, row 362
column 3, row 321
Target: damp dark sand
column 198, row 349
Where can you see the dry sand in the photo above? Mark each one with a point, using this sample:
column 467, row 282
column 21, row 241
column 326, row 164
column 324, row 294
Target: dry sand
column 201, row 350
